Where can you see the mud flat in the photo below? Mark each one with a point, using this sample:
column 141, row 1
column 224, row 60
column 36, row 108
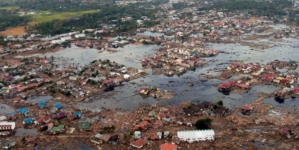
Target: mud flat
column 13, row 31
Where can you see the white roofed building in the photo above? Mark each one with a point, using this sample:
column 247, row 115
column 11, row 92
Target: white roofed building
column 7, row 126
column 80, row 35
column 196, row 135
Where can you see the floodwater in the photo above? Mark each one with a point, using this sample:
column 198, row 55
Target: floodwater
column 130, row 55
column 187, row 87
column 4, row 109
column 148, row 33
column 127, row 96
column 25, row 132
column 84, row 147
column 91, row 120
column 38, row 99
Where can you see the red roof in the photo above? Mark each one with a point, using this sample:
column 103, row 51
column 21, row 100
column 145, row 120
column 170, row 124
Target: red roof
column 267, row 77
column 108, row 81
column 296, row 89
column 146, row 118
column 161, row 116
column 106, row 37
column 226, row 85
column 145, row 59
column 17, row 63
column 246, row 107
column 158, row 57
column 284, row 81
column 31, row 85
column 43, row 119
column 138, row 143
column 244, row 86
column 137, row 127
column 144, row 123
column 158, row 122
column 9, row 78
column 168, row 146
column 285, row 131
column 83, row 81
column 44, row 60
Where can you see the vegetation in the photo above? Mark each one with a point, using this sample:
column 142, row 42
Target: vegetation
column 9, row 8
column 272, row 9
column 45, row 16
column 179, row 5
column 2, row 42
column 203, row 123
column 263, row 8
column 108, row 129
column 9, row 18
column 50, row 16
column 61, row 5
column 128, row 136
column 66, row 93
column 220, row 103
column 107, row 14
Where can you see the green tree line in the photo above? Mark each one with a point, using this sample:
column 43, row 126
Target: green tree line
column 263, row 8
column 10, row 18
column 106, row 15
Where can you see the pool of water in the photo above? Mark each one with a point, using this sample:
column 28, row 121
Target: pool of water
column 25, row 132
column 37, row 99
column 82, row 146
column 127, row 96
column 148, row 33
column 130, row 55
column 187, row 87
column 4, row 109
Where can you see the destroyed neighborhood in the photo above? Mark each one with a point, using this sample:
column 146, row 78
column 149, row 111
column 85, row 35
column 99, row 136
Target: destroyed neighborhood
column 210, row 80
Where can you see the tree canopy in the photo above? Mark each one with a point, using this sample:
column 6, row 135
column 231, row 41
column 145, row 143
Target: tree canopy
column 203, row 123
column 106, row 15
column 9, row 18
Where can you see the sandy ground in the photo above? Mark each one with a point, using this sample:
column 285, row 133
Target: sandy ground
column 32, row 23
column 13, row 31
column 137, row 43
column 252, row 19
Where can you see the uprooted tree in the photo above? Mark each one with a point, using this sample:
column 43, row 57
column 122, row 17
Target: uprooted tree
column 203, row 123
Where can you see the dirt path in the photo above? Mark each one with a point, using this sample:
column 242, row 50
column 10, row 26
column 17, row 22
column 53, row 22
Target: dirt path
column 258, row 100
column 13, row 31
column 66, row 136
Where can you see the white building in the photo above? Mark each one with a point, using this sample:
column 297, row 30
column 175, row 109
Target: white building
column 57, row 41
column 72, row 33
column 126, row 76
column 139, row 22
column 80, row 35
column 7, row 125
column 66, row 38
column 196, row 135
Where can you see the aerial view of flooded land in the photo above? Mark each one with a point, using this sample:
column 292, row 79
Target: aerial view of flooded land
column 152, row 75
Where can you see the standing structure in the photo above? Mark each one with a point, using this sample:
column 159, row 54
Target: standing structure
column 196, row 135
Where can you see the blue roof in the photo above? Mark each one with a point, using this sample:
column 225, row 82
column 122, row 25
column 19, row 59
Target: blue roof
column 77, row 113
column 57, row 105
column 28, row 120
column 41, row 104
column 23, row 110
